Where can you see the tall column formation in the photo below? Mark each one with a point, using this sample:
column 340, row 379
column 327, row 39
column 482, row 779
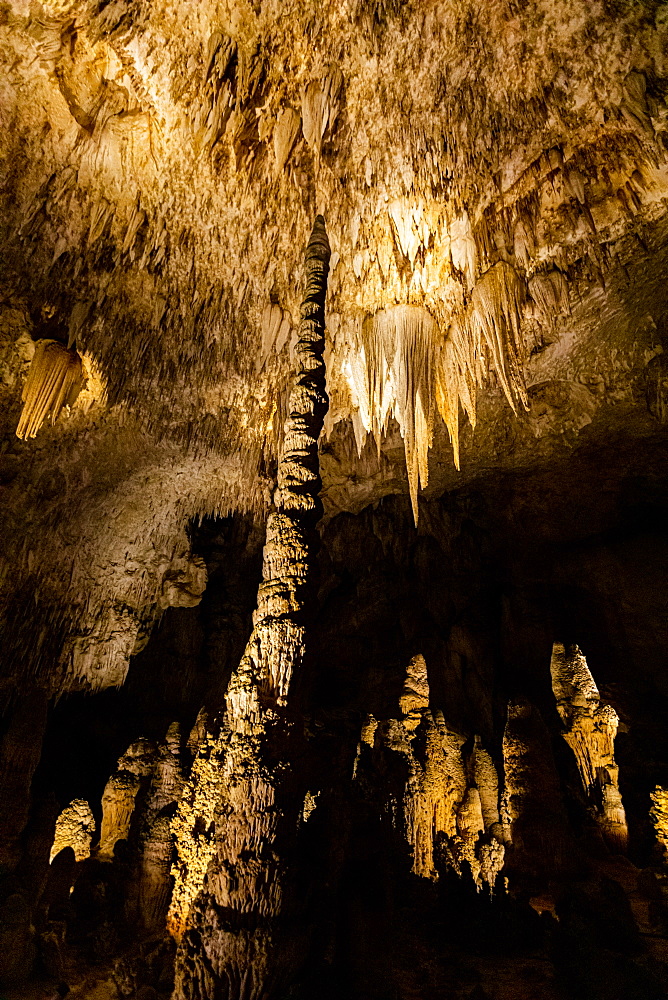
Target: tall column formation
column 590, row 730
column 235, row 908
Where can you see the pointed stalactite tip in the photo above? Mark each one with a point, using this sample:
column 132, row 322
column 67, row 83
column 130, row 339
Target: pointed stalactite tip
column 318, row 244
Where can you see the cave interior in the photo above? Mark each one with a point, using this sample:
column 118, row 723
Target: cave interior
column 334, row 561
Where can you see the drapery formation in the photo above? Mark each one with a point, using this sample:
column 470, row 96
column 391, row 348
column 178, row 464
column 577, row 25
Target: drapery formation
column 54, row 380
column 402, row 365
column 233, row 906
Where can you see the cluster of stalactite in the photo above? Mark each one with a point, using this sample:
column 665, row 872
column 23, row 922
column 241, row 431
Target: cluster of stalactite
column 262, row 117
column 239, row 813
column 403, row 366
column 54, row 381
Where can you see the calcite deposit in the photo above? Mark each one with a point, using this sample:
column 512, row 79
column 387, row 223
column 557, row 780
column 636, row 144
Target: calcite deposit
column 333, row 409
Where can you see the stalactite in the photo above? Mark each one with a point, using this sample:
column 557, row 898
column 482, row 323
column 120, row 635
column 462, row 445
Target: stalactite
column 495, row 320
column 590, row 730
column 75, row 828
column 320, row 107
column 402, row 366
column 53, row 381
column 396, row 379
column 232, row 902
column 285, row 133
column 550, row 293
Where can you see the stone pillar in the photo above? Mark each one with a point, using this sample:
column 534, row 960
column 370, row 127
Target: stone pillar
column 234, row 908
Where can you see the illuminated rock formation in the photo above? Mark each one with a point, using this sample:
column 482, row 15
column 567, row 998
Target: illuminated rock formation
column 231, row 907
column 659, row 814
column 494, row 175
column 120, row 794
column 590, row 731
column 54, row 381
column 75, row 828
column 155, row 844
column 442, row 804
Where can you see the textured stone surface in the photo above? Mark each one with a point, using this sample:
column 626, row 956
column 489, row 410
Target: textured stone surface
column 493, row 176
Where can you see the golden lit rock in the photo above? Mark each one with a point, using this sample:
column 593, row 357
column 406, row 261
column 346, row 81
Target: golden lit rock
column 590, row 731
column 75, row 828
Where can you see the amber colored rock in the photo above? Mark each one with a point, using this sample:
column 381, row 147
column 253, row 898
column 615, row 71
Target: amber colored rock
column 590, row 731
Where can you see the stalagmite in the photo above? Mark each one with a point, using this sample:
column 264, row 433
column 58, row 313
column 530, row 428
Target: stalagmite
column 233, row 908
column 120, row 793
column 155, row 845
column 53, row 381
column 590, row 730
column 532, row 809
column 444, row 817
column 74, row 828
column 659, row 816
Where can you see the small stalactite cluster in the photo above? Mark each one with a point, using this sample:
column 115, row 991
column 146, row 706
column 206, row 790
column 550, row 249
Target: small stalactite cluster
column 320, row 106
column 590, row 730
column 54, row 380
column 403, row 367
column 239, row 812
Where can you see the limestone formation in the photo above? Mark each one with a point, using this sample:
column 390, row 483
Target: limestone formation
column 154, row 835
column 54, row 381
column 659, row 814
column 75, row 828
column 237, row 815
column 463, row 245
column 381, row 807
column 120, row 794
column 532, row 806
column 590, row 730
column 442, row 804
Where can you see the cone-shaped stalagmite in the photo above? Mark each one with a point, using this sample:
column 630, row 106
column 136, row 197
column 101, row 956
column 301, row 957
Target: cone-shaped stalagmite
column 234, row 903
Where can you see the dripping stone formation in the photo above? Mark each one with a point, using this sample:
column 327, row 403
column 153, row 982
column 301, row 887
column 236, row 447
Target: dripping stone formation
column 333, row 569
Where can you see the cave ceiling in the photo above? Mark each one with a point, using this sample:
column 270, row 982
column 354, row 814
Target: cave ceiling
column 493, row 176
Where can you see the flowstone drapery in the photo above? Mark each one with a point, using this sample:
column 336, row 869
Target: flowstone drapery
column 234, row 907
